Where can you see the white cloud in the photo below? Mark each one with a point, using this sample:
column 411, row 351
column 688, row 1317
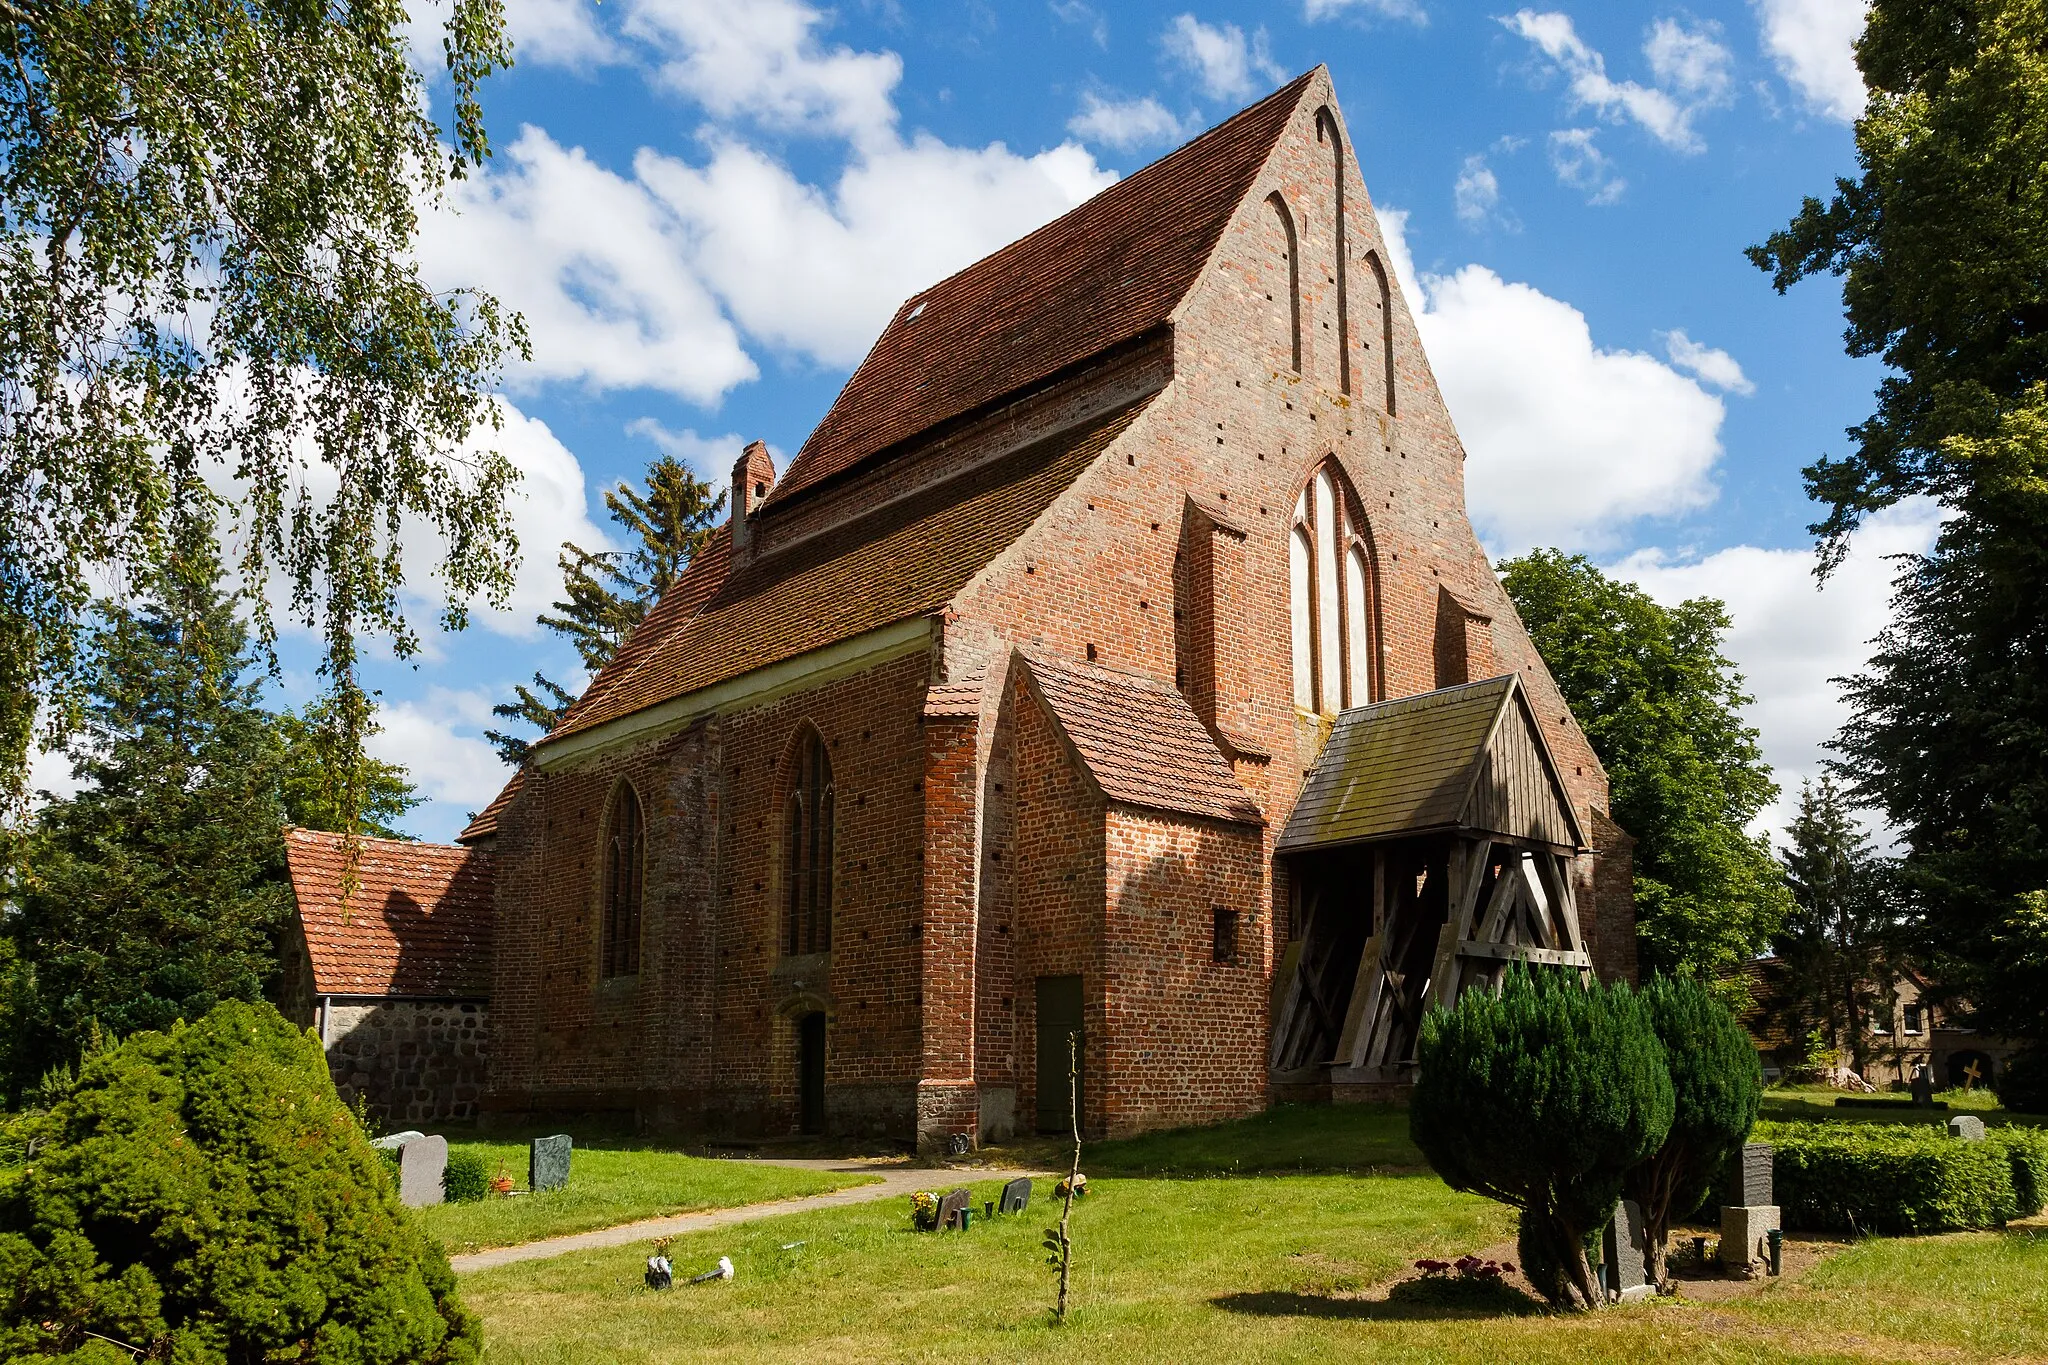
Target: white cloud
column 1477, row 191
column 819, row 271
column 1082, row 15
column 1567, row 442
column 1813, row 43
column 1411, row 10
column 1124, row 124
column 710, row 458
column 1791, row 633
column 762, row 60
column 596, row 265
column 550, row 507
column 1219, row 56
column 1708, row 364
column 557, row 33
column 1688, row 62
column 438, row 739
column 1576, row 157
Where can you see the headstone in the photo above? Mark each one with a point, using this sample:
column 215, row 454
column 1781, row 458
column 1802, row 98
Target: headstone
column 1745, row 1238
column 1923, row 1084
column 547, row 1162
column 421, row 1164
column 1968, row 1127
column 393, row 1141
column 1749, row 1183
column 1628, row 1278
column 951, row 1205
column 1016, row 1196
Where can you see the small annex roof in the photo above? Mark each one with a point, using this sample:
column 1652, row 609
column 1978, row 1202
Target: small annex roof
column 484, row 824
column 1469, row 757
column 417, row 927
column 1103, row 274
column 901, row 561
column 1140, row 742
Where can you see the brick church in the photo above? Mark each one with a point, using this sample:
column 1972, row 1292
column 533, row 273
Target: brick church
column 1115, row 659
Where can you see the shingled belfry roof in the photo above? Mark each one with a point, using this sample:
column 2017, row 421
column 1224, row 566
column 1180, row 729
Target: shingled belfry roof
column 1470, row 757
column 418, row 925
column 1141, row 742
column 1106, row 272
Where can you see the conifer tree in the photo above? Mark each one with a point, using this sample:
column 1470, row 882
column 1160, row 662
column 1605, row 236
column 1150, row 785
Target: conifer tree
column 1839, row 940
column 605, row 594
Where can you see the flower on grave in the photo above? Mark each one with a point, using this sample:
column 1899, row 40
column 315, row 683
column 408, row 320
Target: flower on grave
column 1059, row 1191
column 924, row 1209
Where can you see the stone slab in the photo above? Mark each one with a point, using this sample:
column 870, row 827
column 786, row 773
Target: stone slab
column 547, row 1162
column 1968, row 1127
column 1745, row 1238
column 951, row 1205
column 1016, row 1196
column 1749, row 1184
column 391, row 1142
column 421, row 1165
column 1625, row 1253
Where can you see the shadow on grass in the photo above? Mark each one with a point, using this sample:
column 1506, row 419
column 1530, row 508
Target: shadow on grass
column 1423, row 1300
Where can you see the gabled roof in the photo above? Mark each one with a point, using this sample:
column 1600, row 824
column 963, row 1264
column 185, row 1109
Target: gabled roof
column 1107, row 272
column 1461, row 758
column 418, row 925
column 484, row 824
column 1140, row 742
column 901, row 561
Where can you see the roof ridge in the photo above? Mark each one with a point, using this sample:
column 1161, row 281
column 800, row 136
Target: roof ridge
column 331, row 836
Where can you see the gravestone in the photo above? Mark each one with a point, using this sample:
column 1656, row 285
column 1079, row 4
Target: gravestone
column 393, row 1141
column 421, row 1164
column 1923, row 1084
column 951, row 1205
column 1628, row 1277
column 1745, row 1238
column 547, row 1162
column 1016, row 1196
column 1749, row 1183
column 1968, row 1127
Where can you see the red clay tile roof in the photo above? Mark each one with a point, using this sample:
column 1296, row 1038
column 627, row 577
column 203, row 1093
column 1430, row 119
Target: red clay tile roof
column 485, row 823
column 1108, row 271
column 1141, row 742
column 419, row 924
column 896, row 563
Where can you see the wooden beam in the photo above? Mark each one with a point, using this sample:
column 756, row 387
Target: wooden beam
column 1515, row 952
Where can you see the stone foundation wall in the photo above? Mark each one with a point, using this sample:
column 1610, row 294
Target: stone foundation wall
column 414, row 1062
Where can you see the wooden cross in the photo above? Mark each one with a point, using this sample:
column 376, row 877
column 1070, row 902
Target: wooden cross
column 1972, row 1074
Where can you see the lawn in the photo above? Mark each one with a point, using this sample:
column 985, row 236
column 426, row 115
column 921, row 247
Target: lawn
column 1290, row 1138
column 1816, row 1104
column 619, row 1182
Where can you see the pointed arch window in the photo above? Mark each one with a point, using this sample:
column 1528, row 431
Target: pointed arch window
column 807, row 849
column 1330, row 590
column 624, row 874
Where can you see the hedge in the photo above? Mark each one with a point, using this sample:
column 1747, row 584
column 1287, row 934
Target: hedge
column 1902, row 1179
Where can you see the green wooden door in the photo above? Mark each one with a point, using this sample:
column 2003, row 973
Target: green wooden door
column 1059, row 1014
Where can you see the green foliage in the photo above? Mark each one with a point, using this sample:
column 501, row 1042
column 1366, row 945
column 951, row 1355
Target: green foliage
column 207, row 215
column 466, row 1178
column 607, row 593
column 1543, row 1097
column 1945, row 275
column 307, row 777
column 2023, row 1085
column 1901, row 1179
column 2026, row 1151
column 1716, row 1084
column 1661, row 705
column 202, row 1195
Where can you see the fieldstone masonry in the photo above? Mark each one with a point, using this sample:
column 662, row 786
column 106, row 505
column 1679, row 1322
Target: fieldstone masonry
column 412, row 1062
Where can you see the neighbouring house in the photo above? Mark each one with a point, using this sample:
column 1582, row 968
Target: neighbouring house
column 1114, row 661
column 396, row 980
column 1908, row 1026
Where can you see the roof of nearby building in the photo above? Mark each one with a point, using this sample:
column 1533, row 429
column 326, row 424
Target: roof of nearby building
column 901, row 561
column 1466, row 757
column 1108, row 271
column 1140, row 741
column 417, row 926
column 484, row 824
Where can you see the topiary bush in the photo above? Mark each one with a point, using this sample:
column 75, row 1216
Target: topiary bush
column 1542, row 1097
column 202, row 1196
column 2026, row 1152
column 1894, row 1178
column 1716, row 1083
column 466, row 1178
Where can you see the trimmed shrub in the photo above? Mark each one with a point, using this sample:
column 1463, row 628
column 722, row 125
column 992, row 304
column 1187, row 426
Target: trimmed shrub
column 2023, row 1087
column 1542, row 1097
column 1891, row 1178
column 466, row 1178
column 2026, row 1151
column 201, row 1195
column 1716, row 1084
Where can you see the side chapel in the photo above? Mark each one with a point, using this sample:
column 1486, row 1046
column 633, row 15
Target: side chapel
column 1115, row 659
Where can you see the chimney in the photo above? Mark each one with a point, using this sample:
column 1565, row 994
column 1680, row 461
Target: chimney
column 753, row 474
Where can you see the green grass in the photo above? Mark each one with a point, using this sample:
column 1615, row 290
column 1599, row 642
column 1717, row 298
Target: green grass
column 1816, row 1104
column 608, row 1185
column 1290, row 1138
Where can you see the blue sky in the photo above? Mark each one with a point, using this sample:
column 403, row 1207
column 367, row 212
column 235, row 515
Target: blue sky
column 706, row 210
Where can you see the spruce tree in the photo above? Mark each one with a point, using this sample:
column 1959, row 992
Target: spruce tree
column 1838, row 942
column 605, row 594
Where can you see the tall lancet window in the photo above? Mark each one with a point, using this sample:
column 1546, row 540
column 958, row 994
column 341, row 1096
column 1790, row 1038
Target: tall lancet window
column 807, row 848
column 624, row 858
column 1330, row 581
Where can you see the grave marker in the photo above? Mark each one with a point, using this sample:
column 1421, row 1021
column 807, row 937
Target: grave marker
column 1016, row 1196
column 1923, row 1085
column 1968, row 1127
column 1628, row 1277
column 547, row 1162
column 951, row 1206
column 421, row 1164
column 1750, row 1181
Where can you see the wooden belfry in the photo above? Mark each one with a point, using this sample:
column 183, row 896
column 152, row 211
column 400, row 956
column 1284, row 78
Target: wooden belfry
column 1432, row 846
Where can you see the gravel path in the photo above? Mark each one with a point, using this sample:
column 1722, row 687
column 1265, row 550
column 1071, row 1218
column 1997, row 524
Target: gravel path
column 895, row 1181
